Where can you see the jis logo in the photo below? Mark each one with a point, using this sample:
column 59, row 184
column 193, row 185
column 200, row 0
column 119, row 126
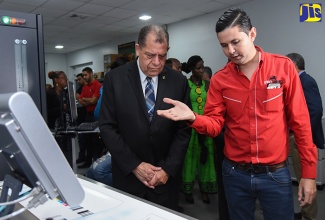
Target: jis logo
column 310, row 12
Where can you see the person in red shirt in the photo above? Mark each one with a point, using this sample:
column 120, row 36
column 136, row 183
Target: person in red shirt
column 258, row 97
column 88, row 98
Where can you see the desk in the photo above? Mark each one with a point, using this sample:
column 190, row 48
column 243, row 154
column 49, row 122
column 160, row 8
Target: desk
column 103, row 202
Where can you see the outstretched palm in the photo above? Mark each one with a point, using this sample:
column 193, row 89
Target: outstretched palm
column 179, row 112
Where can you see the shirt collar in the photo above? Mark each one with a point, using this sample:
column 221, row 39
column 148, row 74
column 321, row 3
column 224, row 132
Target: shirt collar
column 143, row 77
column 301, row 72
column 260, row 58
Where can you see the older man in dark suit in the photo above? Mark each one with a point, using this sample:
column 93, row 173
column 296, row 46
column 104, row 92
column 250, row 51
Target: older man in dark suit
column 147, row 150
column 315, row 108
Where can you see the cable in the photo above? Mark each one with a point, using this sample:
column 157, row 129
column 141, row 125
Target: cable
column 34, row 191
column 39, row 197
column 14, row 213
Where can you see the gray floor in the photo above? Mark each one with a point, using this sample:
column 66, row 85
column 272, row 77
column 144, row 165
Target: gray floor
column 204, row 211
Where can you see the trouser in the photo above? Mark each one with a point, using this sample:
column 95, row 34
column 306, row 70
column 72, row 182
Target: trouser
column 92, row 142
column 65, row 144
column 82, row 113
column 272, row 189
column 101, row 170
column 308, row 212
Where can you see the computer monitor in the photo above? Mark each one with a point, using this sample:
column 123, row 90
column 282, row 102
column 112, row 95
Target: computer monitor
column 72, row 101
column 32, row 152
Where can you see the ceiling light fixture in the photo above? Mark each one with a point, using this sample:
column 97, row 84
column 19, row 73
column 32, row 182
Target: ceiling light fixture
column 59, row 47
column 145, row 17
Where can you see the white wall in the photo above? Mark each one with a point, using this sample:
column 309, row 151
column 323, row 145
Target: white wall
column 278, row 31
column 96, row 54
column 55, row 62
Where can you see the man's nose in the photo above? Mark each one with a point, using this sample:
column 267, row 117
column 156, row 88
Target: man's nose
column 231, row 49
column 155, row 60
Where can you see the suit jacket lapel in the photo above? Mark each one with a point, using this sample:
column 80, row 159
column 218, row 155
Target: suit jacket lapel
column 162, row 85
column 137, row 87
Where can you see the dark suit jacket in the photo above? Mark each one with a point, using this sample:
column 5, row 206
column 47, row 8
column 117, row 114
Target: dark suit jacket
column 131, row 138
column 315, row 108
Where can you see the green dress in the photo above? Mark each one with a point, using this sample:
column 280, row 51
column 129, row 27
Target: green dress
column 206, row 172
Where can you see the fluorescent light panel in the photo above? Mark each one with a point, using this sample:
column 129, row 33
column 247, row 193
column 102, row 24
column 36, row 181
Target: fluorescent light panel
column 145, row 17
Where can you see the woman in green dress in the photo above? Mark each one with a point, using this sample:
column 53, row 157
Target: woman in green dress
column 199, row 159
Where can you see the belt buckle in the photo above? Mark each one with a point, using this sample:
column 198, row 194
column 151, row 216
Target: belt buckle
column 253, row 169
column 249, row 168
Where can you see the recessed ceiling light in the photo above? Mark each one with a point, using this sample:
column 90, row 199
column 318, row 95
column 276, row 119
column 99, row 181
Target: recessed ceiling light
column 59, row 46
column 145, row 17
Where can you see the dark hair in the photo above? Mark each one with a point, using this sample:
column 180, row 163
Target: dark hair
column 169, row 63
column 88, row 70
column 79, row 74
column 184, row 68
column 119, row 62
column 192, row 61
column 234, row 17
column 160, row 33
column 174, row 60
column 208, row 71
column 298, row 60
column 54, row 74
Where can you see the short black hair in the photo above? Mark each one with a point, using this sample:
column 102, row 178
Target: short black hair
column 159, row 31
column 79, row 74
column 208, row 71
column 192, row 61
column 298, row 60
column 234, row 17
column 88, row 70
column 169, row 63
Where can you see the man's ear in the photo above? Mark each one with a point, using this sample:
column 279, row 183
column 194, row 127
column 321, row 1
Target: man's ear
column 137, row 49
column 252, row 34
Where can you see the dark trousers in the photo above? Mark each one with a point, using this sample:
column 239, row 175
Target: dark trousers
column 82, row 113
column 219, row 141
column 92, row 142
column 64, row 142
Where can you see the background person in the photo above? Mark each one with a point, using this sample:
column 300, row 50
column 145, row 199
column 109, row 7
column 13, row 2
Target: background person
column 199, row 159
column 147, row 150
column 257, row 96
column 207, row 74
column 59, row 80
column 174, row 64
column 315, row 108
column 88, row 98
column 56, row 111
column 118, row 62
column 82, row 113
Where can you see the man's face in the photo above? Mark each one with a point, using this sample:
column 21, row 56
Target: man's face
column 177, row 66
column 237, row 45
column 152, row 56
column 87, row 76
column 80, row 81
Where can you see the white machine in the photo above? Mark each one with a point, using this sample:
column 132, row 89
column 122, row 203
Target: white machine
column 32, row 153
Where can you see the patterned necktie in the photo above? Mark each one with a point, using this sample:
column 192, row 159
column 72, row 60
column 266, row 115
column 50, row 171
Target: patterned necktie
column 150, row 97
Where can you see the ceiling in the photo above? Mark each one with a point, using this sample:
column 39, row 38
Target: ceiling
column 78, row 24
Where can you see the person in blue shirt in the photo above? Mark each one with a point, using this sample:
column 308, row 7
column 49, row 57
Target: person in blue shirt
column 118, row 62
